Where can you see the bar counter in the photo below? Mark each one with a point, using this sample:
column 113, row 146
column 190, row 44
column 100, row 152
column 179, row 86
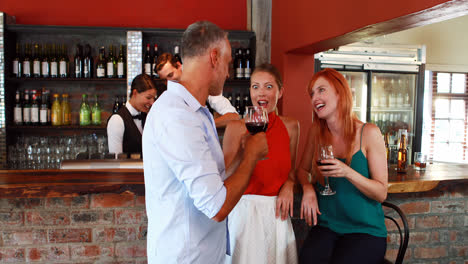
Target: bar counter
column 69, row 182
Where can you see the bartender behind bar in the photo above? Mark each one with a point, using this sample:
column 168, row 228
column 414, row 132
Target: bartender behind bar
column 124, row 129
column 169, row 68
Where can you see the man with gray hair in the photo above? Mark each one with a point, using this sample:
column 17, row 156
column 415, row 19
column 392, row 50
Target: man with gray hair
column 189, row 189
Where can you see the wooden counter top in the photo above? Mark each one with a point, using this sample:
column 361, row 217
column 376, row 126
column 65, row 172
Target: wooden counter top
column 57, row 183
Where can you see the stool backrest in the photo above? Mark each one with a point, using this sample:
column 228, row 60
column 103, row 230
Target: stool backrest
column 404, row 234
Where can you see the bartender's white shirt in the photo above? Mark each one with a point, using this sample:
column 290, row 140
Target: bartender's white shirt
column 221, row 104
column 116, row 129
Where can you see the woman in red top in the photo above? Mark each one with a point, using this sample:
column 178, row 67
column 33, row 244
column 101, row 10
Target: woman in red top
column 259, row 226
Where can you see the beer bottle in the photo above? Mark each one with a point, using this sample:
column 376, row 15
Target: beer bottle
column 402, row 155
column 387, row 147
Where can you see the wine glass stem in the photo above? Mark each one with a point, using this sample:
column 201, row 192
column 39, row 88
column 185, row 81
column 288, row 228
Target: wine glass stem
column 327, row 184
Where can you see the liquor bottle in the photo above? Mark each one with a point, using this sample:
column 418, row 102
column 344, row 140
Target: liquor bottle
column 64, row 63
column 18, row 110
column 17, row 64
column 96, row 112
column 56, row 112
column 116, row 106
column 239, row 64
column 87, row 62
column 121, row 64
column 44, row 109
column 147, row 61
column 155, row 61
column 248, row 65
column 402, row 155
column 177, row 54
column 54, row 62
column 85, row 111
column 78, row 61
column 37, row 61
column 35, row 108
column 27, row 61
column 26, row 109
column 111, row 63
column 66, row 111
column 101, row 63
column 45, row 64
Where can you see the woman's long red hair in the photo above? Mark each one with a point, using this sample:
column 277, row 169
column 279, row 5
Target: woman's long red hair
column 320, row 132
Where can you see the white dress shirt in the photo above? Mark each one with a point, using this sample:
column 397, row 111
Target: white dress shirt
column 116, row 129
column 221, row 104
column 184, row 173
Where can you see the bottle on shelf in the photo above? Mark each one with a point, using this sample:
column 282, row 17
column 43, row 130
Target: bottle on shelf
column 387, row 147
column 96, row 112
column 78, row 61
column 237, row 105
column 18, row 110
column 54, row 62
column 37, row 61
column 155, row 61
column 26, row 109
column 123, row 101
column 44, row 109
column 177, row 54
column 147, row 66
column 27, row 61
column 116, row 106
column 101, row 64
column 45, row 64
column 56, row 111
column 85, row 111
column 87, row 62
column 64, row 63
column 121, row 64
column 239, row 64
column 35, row 108
column 17, row 63
column 248, row 65
column 66, row 110
column 402, row 153
column 111, row 64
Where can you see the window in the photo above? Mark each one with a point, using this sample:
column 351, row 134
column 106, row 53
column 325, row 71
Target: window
column 449, row 117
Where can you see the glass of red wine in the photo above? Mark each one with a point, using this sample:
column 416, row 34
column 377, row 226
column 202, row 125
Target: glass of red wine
column 325, row 152
column 256, row 120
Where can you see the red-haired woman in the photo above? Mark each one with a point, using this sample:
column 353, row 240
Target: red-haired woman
column 351, row 226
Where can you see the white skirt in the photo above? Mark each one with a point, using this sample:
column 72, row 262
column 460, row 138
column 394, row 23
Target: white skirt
column 256, row 236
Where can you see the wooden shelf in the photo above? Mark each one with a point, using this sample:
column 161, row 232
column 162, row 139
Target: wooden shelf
column 84, row 80
column 13, row 128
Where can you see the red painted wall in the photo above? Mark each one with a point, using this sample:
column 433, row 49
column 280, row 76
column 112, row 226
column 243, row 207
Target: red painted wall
column 230, row 15
column 305, row 23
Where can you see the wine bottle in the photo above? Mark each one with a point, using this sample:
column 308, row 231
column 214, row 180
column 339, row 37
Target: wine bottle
column 96, row 112
column 85, row 111
column 248, row 65
column 121, row 64
column 147, row 60
column 43, row 110
column 37, row 61
column 35, row 108
column 64, row 63
column 56, row 112
column 87, row 62
column 45, row 64
column 66, row 111
column 239, row 64
column 155, row 61
column 54, row 62
column 17, row 64
column 101, row 63
column 111, row 63
column 26, row 109
column 116, row 106
column 177, row 54
column 27, row 61
column 78, row 61
column 18, row 110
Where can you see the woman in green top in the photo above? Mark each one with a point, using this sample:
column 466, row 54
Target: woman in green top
column 351, row 226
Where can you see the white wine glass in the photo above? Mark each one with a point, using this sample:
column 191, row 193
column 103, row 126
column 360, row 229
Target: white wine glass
column 325, row 152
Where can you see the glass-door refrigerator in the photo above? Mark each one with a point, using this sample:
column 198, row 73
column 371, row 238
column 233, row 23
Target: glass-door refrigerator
column 387, row 84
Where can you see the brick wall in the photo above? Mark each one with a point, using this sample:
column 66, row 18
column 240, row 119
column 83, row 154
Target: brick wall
column 104, row 228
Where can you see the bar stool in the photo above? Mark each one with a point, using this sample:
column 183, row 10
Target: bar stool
column 404, row 234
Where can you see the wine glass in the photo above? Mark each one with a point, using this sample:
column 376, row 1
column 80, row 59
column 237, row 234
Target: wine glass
column 256, row 120
column 325, row 152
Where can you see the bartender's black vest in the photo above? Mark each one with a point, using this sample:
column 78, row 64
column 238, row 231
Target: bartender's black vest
column 132, row 138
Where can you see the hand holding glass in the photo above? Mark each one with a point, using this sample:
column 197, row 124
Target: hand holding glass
column 325, row 152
